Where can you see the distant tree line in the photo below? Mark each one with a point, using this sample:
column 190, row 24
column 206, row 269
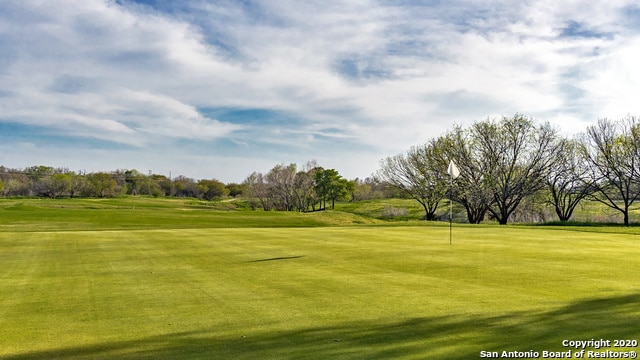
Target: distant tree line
column 514, row 160
column 46, row 181
column 282, row 188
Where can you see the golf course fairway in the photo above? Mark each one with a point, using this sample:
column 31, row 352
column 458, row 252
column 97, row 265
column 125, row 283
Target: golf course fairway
column 376, row 291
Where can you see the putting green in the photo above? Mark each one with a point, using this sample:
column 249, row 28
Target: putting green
column 319, row 292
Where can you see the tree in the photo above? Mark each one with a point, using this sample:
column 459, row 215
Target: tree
column 420, row 173
column 212, row 189
column 257, row 190
column 612, row 152
column 137, row 183
column 18, row 184
column 234, row 189
column 101, row 184
column 567, row 180
column 36, row 173
column 304, row 194
column 284, row 188
column 322, row 181
column 161, row 185
column 368, row 189
column 59, row 184
column 329, row 185
column 185, row 187
column 281, row 189
column 470, row 188
column 339, row 188
column 78, row 185
column 516, row 155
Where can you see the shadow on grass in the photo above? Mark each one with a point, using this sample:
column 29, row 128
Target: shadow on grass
column 277, row 258
column 450, row 337
column 588, row 224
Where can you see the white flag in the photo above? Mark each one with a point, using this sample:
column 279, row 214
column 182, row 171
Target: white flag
column 453, row 170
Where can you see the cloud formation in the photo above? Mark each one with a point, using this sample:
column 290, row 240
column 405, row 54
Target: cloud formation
column 248, row 83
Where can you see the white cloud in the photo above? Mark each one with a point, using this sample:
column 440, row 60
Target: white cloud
column 614, row 80
column 373, row 75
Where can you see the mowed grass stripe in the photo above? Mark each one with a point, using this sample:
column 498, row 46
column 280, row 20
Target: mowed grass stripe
column 340, row 292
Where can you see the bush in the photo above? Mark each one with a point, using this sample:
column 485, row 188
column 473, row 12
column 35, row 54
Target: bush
column 391, row 212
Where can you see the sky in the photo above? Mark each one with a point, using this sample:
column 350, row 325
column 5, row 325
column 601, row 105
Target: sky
column 220, row 89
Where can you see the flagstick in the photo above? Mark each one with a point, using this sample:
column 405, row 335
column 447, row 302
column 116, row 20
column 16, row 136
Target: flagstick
column 450, row 212
column 454, row 173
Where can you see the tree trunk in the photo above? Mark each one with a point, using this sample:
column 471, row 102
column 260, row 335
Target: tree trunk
column 428, row 215
column 562, row 215
column 475, row 215
column 504, row 217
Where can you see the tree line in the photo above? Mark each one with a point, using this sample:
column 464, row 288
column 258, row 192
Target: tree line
column 505, row 162
column 282, row 188
column 46, row 181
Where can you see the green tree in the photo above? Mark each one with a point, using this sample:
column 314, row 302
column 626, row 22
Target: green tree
column 59, row 184
column 340, row 190
column 137, row 183
column 78, row 185
column 161, row 186
column 185, row 187
column 212, row 189
column 36, row 173
column 101, row 184
column 322, row 182
column 329, row 185
column 234, row 189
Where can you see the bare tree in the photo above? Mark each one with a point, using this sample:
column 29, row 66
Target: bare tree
column 612, row 152
column 516, row 156
column 257, row 189
column 281, row 190
column 568, row 179
column 469, row 188
column 420, row 174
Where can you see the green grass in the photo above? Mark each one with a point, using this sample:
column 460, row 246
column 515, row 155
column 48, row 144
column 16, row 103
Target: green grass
column 305, row 286
column 133, row 213
column 406, row 209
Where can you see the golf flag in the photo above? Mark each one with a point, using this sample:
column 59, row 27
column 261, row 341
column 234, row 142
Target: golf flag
column 453, row 170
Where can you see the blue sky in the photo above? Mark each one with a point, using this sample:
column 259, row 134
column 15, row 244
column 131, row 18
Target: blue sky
column 219, row 89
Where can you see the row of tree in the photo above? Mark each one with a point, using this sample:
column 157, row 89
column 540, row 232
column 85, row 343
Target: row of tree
column 503, row 162
column 285, row 188
column 58, row 182
column 282, row 188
